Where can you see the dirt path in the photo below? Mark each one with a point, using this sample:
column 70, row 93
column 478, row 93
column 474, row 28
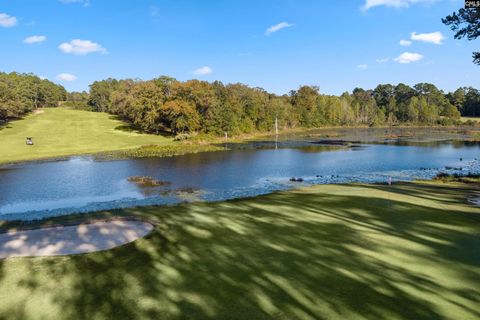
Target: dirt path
column 71, row 239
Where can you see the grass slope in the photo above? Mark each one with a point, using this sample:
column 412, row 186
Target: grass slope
column 409, row 251
column 60, row 132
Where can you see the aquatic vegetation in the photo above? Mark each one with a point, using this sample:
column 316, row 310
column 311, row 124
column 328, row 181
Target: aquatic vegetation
column 152, row 151
column 148, row 182
column 465, row 178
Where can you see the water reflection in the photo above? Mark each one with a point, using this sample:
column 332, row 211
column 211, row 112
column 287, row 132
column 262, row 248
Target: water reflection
column 81, row 184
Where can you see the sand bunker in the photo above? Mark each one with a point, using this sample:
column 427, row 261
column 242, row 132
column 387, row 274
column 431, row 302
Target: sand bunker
column 75, row 239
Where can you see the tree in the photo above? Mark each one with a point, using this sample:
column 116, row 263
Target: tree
column 403, row 93
column 22, row 93
column 100, row 94
column 383, row 94
column 367, row 110
column 466, row 24
column 472, row 103
column 451, row 112
column 412, row 111
column 181, row 116
column 165, row 104
column 457, row 98
column 304, row 102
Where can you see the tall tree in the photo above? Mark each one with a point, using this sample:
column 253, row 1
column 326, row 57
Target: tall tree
column 466, row 24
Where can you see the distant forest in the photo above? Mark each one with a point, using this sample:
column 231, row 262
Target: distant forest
column 165, row 104
column 23, row 93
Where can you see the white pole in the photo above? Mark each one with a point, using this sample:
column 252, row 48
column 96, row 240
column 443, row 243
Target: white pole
column 276, row 132
column 276, row 125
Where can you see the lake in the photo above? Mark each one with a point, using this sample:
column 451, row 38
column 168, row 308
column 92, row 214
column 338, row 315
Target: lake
column 82, row 184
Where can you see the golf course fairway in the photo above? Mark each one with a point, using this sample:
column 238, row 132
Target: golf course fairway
column 58, row 132
column 407, row 251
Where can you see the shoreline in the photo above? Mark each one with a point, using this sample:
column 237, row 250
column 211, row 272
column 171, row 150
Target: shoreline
column 106, row 215
column 214, row 252
column 203, row 144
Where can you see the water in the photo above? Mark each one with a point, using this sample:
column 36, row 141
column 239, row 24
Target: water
column 81, row 184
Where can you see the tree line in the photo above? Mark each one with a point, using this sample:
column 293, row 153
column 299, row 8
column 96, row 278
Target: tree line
column 22, row 93
column 165, row 104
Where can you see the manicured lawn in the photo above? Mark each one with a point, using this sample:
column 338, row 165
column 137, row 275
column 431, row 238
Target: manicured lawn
column 60, row 132
column 410, row 251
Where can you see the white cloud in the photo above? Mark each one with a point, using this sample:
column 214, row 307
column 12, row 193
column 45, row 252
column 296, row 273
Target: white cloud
column 434, row 37
column 391, row 3
column 34, row 39
column 66, row 77
column 203, row 71
column 81, row 47
column 7, row 21
column 408, row 57
column 383, row 60
column 405, row 43
column 277, row 27
column 362, row 66
column 85, row 3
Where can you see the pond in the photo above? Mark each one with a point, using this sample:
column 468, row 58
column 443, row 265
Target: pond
column 82, row 184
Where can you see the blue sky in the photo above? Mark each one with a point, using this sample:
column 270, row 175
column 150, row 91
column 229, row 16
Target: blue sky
column 275, row 44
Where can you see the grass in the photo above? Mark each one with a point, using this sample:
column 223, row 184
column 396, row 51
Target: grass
column 61, row 132
column 407, row 251
column 465, row 119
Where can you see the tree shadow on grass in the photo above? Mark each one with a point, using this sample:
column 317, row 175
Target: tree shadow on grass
column 442, row 193
column 283, row 256
column 127, row 126
column 5, row 126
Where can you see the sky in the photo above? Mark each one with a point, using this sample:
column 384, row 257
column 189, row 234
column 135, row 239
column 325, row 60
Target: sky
column 274, row 44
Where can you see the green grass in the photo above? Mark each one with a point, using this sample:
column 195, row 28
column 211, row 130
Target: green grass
column 465, row 119
column 61, row 132
column 409, row 251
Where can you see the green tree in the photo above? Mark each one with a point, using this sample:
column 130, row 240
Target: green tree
column 304, row 101
column 466, row 24
column 181, row 116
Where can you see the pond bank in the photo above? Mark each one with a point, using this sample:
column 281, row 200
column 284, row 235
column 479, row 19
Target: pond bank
column 104, row 137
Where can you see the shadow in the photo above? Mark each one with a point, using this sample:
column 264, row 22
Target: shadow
column 5, row 126
column 127, row 126
column 344, row 252
column 440, row 192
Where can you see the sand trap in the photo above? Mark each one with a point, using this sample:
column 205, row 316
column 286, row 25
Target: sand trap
column 76, row 239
